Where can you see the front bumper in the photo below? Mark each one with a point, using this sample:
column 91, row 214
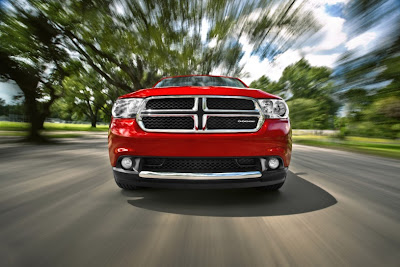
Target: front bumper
column 127, row 138
column 200, row 180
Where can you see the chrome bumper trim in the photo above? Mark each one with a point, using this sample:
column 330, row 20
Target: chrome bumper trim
column 199, row 176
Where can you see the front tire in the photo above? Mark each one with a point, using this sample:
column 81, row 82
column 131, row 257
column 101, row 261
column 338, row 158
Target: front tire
column 273, row 187
column 127, row 186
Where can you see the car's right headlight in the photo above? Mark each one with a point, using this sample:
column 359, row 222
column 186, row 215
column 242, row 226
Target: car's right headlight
column 274, row 108
column 126, row 107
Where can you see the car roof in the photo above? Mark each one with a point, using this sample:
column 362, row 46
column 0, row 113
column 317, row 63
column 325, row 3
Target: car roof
column 168, row 77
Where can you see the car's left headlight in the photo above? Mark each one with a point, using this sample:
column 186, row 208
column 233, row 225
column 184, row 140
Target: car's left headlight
column 274, row 108
column 126, row 107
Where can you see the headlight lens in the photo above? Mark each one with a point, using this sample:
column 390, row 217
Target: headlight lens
column 274, row 108
column 126, row 107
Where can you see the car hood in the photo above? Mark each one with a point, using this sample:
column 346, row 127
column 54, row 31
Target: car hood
column 200, row 90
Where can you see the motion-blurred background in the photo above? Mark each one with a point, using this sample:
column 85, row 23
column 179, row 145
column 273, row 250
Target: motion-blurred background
column 64, row 62
column 336, row 62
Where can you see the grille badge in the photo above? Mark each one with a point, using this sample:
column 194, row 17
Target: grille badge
column 246, row 121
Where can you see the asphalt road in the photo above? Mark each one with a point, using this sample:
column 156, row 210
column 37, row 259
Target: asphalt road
column 59, row 206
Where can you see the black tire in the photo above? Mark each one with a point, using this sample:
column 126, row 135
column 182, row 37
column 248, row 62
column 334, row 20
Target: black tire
column 273, row 187
column 127, row 186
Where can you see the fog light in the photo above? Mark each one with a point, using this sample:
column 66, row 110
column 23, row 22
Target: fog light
column 126, row 163
column 273, row 163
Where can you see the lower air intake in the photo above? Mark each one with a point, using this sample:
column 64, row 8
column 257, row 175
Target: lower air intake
column 207, row 165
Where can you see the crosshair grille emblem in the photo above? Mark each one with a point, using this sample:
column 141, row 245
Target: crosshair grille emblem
column 229, row 120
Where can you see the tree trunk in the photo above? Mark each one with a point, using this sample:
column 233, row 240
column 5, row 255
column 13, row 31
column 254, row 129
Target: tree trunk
column 34, row 133
column 34, row 118
column 94, row 122
column 94, row 117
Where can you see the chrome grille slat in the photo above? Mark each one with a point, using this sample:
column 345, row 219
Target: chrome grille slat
column 204, row 112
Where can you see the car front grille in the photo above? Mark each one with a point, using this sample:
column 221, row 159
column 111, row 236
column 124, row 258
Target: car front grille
column 232, row 122
column 230, row 104
column 170, row 103
column 197, row 165
column 200, row 114
column 168, row 122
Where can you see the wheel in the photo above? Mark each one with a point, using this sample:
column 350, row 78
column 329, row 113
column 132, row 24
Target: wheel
column 127, row 186
column 273, row 187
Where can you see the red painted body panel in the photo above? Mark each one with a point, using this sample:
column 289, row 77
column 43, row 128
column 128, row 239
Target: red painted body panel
column 127, row 138
column 203, row 90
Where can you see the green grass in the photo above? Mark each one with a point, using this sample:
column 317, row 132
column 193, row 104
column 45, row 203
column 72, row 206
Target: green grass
column 13, row 126
column 374, row 146
column 22, row 126
column 74, row 127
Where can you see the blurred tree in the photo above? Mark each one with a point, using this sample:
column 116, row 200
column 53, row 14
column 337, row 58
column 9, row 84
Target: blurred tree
column 365, row 14
column 380, row 119
column 381, row 62
column 390, row 73
column 15, row 109
column 87, row 96
column 370, row 81
column 390, row 107
column 313, row 113
column 308, row 91
column 132, row 43
column 301, row 80
column 3, row 107
column 356, row 100
column 265, row 84
column 61, row 109
column 30, row 55
column 262, row 83
column 305, row 114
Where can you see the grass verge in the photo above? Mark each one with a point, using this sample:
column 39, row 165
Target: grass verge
column 373, row 146
column 49, row 126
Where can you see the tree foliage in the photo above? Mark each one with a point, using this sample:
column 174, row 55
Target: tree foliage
column 30, row 55
column 88, row 96
column 370, row 83
column 381, row 63
column 130, row 44
column 308, row 91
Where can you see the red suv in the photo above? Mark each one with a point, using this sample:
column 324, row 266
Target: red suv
column 200, row 132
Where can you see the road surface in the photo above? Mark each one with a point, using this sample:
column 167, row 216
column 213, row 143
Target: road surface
column 59, row 206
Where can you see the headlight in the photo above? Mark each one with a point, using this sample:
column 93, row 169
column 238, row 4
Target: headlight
column 274, row 108
column 126, row 107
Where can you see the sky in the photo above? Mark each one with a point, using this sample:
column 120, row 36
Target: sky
column 324, row 50
column 8, row 91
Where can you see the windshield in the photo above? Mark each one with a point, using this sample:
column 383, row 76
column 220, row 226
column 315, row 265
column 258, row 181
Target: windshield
column 200, row 81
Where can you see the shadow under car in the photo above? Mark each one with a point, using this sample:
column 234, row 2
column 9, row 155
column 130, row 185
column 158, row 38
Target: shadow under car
column 296, row 196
